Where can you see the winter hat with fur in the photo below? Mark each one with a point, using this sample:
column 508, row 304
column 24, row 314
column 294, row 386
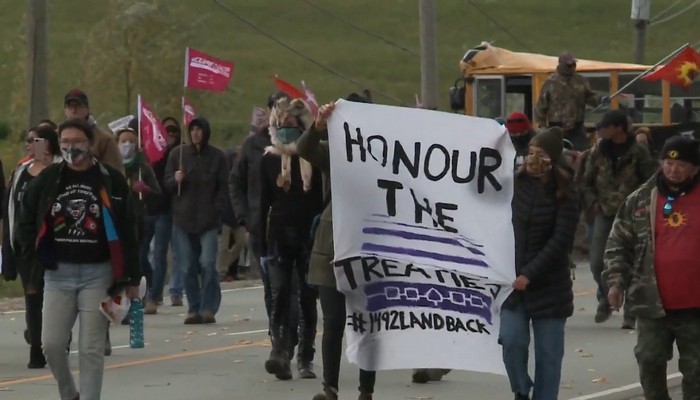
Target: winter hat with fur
column 283, row 109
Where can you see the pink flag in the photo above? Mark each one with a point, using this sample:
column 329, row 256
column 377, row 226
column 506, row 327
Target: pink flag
column 151, row 133
column 205, row 72
column 310, row 99
column 188, row 112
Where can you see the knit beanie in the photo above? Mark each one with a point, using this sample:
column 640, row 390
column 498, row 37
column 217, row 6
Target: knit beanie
column 681, row 148
column 518, row 123
column 551, row 142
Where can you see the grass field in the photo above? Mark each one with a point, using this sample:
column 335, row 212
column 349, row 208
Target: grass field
column 349, row 37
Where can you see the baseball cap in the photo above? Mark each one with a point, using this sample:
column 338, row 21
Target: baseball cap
column 613, row 118
column 76, row 95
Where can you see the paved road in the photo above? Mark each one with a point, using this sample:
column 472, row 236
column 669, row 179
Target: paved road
column 225, row 361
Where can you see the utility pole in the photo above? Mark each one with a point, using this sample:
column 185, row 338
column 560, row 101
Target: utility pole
column 640, row 16
column 37, row 61
column 428, row 52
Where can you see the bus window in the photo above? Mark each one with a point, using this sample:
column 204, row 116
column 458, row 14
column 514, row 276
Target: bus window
column 489, row 97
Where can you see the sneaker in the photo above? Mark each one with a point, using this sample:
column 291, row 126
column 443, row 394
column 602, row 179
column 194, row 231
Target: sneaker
column 519, row 396
column 193, row 319
column 176, row 300
column 602, row 314
column 629, row 323
column 208, row 318
column 150, row 308
column 36, row 358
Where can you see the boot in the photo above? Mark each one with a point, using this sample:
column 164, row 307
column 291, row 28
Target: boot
column 278, row 364
column 603, row 312
column 151, row 308
column 36, row 358
column 305, row 356
column 364, row 395
column 329, row 393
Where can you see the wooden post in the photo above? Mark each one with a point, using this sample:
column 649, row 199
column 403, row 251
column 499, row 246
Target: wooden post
column 37, row 61
column 666, row 102
column 614, row 86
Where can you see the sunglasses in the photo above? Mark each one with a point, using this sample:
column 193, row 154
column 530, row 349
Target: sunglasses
column 34, row 140
column 668, row 207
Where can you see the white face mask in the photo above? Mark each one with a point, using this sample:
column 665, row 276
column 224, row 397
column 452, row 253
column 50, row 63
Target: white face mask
column 127, row 150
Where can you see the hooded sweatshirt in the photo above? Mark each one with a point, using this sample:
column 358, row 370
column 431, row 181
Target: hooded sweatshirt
column 204, row 191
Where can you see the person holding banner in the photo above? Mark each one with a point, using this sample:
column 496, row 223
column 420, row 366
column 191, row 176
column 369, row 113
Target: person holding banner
column 313, row 147
column 146, row 191
column 76, row 230
column 290, row 198
column 202, row 176
column 545, row 215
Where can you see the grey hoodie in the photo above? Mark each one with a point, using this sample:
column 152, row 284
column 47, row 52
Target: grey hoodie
column 204, row 191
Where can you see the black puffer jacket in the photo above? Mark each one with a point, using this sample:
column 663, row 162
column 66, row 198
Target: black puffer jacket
column 544, row 233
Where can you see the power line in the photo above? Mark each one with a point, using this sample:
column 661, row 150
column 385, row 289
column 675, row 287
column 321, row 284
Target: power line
column 302, row 55
column 666, row 10
column 374, row 34
column 693, row 4
column 499, row 25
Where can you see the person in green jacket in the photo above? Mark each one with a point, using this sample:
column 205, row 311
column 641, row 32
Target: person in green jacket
column 77, row 227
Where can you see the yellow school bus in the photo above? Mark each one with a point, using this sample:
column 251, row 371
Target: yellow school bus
column 498, row 81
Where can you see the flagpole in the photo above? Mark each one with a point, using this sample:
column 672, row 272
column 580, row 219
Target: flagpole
column 139, row 140
column 653, row 67
column 184, row 118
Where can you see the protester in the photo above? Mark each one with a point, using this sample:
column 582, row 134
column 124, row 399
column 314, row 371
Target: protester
column 146, row 190
column 313, row 147
column 28, row 146
column 651, row 262
column 520, row 131
column 197, row 175
column 76, row 227
column 46, row 152
column 563, row 99
column 233, row 238
column 159, row 213
column 545, row 214
column 104, row 147
column 244, row 186
column 290, row 197
column 616, row 167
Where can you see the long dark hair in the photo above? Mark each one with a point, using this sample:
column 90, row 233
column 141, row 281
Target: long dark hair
column 49, row 134
column 561, row 179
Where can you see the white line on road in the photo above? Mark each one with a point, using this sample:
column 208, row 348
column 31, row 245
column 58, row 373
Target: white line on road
column 247, row 332
column 620, row 389
column 123, row 346
column 223, row 291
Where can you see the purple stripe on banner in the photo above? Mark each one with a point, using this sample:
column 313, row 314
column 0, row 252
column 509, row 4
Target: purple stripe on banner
column 370, row 247
column 422, row 228
column 419, row 236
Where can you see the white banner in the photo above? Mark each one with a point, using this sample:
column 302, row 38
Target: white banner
column 424, row 246
column 121, row 123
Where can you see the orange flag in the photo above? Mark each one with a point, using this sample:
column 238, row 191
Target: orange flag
column 288, row 88
column 681, row 70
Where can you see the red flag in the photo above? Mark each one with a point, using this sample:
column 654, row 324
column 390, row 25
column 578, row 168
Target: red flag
column 205, row 72
column 681, row 70
column 188, row 113
column 151, row 132
column 286, row 87
column 310, row 99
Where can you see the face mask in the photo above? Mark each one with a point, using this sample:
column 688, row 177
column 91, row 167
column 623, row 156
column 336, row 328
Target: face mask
column 127, row 149
column 537, row 165
column 288, row 135
column 74, row 155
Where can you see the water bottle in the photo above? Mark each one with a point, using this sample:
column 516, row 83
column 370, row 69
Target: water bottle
column 136, row 324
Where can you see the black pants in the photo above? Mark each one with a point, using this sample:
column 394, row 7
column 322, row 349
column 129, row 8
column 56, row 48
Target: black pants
column 290, row 259
column 333, row 307
column 33, row 315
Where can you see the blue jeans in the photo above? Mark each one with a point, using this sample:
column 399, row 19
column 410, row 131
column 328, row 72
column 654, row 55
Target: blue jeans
column 514, row 337
column 163, row 235
column 197, row 254
column 74, row 291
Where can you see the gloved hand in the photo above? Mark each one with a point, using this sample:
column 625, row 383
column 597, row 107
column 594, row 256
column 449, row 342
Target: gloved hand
column 605, row 100
column 140, row 187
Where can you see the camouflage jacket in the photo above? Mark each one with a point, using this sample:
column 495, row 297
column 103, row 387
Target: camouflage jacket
column 609, row 186
column 563, row 100
column 629, row 254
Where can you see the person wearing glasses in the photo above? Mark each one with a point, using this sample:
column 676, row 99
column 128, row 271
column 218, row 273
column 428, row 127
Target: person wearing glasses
column 616, row 167
column 45, row 152
column 651, row 261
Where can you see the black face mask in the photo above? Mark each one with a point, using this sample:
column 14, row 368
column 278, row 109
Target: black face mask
column 520, row 141
column 566, row 69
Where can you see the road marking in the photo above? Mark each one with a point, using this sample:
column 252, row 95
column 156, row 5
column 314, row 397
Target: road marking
column 247, row 332
column 145, row 361
column 585, row 293
column 223, row 291
column 123, row 346
column 620, row 389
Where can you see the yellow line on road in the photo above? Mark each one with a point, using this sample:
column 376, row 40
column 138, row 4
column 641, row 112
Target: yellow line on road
column 145, row 361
